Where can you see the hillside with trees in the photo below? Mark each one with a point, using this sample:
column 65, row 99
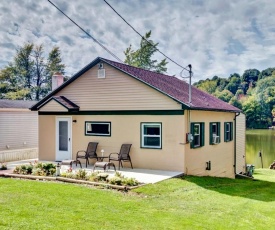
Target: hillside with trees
column 253, row 92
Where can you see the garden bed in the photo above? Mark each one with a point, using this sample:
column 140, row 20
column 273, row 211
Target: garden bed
column 48, row 172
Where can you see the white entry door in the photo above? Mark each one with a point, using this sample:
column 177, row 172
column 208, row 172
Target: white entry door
column 63, row 138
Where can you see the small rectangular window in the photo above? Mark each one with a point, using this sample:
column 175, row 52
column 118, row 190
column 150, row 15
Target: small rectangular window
column 93, row 128
column 197, row 130
column 214, row 136
column 228, row 131
column 151, row 135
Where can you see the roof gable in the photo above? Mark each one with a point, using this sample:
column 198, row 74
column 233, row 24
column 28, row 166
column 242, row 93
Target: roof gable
column 59, row 103
column 168, row 85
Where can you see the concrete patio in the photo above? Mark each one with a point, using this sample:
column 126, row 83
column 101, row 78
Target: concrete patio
column 146, row 176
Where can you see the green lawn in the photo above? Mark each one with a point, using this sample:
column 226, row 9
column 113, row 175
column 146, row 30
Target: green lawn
column 183, row 203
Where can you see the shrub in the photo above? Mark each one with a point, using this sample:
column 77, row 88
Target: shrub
column 102, row 176
column 130, row 181
column 36, row 168
column 115, row 180
column 81, row 174
column 3, row 166
column 23, row 169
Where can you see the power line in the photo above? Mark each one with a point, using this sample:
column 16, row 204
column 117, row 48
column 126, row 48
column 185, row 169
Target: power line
column 95, row 40
column 144, row 37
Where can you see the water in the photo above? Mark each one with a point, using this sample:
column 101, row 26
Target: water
column 260, row 140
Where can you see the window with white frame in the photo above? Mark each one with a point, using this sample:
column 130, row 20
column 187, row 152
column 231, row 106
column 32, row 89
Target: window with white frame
column 214, row 137
column 95, row 128
column 151, row 135
column 197, row 130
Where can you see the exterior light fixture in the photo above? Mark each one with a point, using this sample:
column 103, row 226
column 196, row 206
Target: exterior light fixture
column 57, row 172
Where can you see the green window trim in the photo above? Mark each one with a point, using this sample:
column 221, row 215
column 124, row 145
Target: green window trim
column 228, row 131
column 151, row 135
column 197, row 130
column 214, row 127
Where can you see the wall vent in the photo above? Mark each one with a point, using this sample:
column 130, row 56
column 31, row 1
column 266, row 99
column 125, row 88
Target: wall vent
column 101, row 73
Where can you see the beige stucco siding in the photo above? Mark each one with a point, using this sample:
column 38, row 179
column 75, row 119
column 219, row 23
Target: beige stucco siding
column 18, row 129
column 220, row 155
column 47, row 138
column 124, row 129
column 117, row 91
column 53, row 106
column 240, row 143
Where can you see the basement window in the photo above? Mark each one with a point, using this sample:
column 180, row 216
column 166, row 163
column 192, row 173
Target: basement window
column 95, row 128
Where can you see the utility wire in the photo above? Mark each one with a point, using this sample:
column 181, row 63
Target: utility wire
column 144, row 37
column 95, row 40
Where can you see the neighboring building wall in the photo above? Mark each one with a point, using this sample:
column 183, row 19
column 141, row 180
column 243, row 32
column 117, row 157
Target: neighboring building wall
column 124, row 129
column 240, row 143
column 117, row 91
column 18, row 129
column 221, row 155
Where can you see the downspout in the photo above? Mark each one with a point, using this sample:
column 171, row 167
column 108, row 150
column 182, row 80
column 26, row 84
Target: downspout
column 235, row 144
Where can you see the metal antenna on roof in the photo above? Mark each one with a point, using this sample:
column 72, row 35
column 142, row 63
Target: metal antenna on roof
column 190, row 87
column 190, row 90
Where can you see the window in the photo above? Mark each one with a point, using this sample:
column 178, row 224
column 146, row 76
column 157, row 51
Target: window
column 214, row 133
column 197, row 130
column 93, row 128
column 151, row 135
column 228, row 131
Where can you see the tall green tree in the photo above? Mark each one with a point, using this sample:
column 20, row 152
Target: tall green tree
column 28, row 76
column 143, row 57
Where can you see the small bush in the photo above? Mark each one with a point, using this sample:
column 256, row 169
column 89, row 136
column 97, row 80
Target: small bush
column 130, row 181
column 81, row 174
column 3, row 166
column 115, row 180
column 102, row 176
column 37, row 169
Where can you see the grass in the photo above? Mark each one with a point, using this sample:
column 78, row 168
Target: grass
column 179, row 203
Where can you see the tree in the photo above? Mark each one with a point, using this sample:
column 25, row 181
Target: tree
column 252, row 110
column 234, row 101
column 234, row 83
column 250, row 75
column 224, row 95
column 142, row 57
column 28, row 76
column 208, row 86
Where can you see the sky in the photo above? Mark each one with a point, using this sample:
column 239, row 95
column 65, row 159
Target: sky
column 216, row 37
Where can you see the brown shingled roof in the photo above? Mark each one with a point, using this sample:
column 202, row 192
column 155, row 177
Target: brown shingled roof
column 66, row 103
column 171, row 86
column 175, row 88
column 16, row 104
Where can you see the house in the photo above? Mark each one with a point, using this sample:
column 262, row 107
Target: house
column 113, row 103
column 18, row 130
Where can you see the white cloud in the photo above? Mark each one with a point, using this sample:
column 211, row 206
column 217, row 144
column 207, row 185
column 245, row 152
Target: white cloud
column 216, row 37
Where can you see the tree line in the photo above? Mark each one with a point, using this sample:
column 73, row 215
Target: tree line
column 253, row 92
column 29, row 75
